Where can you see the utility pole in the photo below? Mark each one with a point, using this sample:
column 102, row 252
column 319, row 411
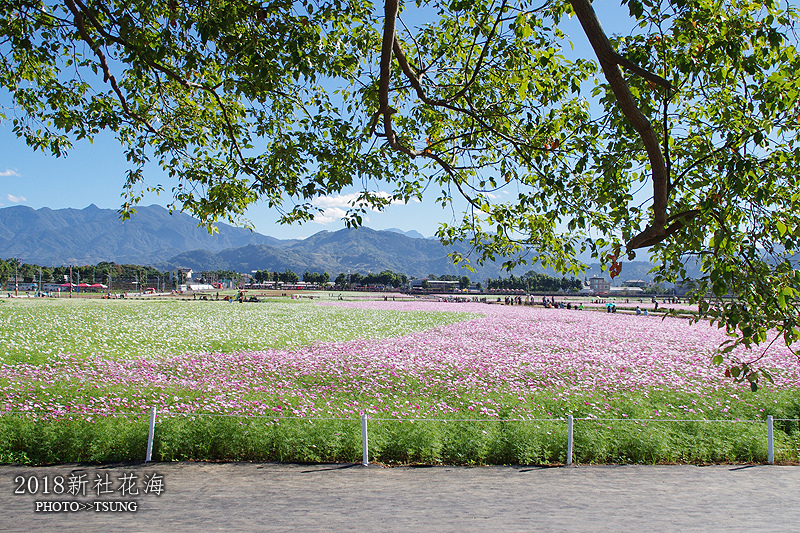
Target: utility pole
column 70, row 281
column 16, row 282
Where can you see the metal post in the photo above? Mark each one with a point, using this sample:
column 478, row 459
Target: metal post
column 770, row 446
column 569, row 440
column 149, row 455
column 364, row 444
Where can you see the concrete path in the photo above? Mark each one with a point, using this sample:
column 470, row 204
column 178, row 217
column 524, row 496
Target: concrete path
column 288, row 497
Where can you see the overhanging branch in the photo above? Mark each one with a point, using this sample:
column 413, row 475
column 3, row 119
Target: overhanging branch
column 610, row 61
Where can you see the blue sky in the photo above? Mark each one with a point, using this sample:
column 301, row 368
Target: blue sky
column 95, row 174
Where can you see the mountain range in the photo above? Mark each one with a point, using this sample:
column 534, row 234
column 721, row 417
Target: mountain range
column 155, row 236
column 91, row 235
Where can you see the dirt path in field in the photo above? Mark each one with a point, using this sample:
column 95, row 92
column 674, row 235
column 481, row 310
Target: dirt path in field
column 281, row 497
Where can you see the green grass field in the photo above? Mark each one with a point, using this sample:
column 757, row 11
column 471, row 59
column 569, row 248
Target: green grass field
column 37, row 330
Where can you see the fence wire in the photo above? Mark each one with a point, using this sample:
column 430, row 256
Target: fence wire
column 385, row 419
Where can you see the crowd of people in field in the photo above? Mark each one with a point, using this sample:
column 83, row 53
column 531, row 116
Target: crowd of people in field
column 550, row 302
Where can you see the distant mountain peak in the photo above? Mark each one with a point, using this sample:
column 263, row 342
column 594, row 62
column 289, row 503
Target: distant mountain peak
column 92, row 234
column 414, row 234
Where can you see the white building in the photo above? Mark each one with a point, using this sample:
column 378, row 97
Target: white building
column 433, row 285
column 635, row 283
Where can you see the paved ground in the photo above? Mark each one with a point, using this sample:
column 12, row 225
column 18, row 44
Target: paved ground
column 281, row 497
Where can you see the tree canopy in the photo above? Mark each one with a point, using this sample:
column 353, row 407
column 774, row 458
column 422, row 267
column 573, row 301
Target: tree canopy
column 678, row 138
column 535, row 282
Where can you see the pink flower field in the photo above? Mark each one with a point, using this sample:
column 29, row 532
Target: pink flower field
column 511, row 362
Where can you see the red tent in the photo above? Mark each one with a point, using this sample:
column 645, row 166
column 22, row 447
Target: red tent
column 84, row 285
column 97, row 286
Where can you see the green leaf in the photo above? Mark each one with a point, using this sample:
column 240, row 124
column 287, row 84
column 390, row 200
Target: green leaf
column 522, row 90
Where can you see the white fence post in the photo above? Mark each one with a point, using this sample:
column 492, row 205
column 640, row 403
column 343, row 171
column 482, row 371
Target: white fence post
column 569, row 440
column 149, row 454
column 770, row 442
column 364, row 444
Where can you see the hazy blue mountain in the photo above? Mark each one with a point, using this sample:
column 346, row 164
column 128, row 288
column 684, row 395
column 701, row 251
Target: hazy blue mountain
column 365, row 250
column 414, row 234
column 155, row 237
column 90, row 235
column 356, row 250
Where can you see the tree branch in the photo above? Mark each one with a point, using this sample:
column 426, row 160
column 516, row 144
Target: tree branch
column 389, row 22
column 107, row 76
column 80, row 10
column 482, row 57
column 610, row 61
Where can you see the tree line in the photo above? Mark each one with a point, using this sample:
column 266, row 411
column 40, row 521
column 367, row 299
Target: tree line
column 530, row 281
column 289, row 276
column 535, row 282
column 104, row 272
column 99, row 273
column 386, row 278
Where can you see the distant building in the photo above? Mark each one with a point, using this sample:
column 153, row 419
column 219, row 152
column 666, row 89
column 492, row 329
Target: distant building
column 599, row 285
column 635, row 283
column 200, row 287
column 626, row 291
column 433, row 285
column 586, row 290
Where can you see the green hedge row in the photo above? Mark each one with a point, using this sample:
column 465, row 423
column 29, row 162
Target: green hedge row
column 198, row 438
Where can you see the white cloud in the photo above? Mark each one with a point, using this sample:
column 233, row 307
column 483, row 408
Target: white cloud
column 330, row 215
column 346, row 200
column 16, row 199
column 8, row 172
column 341, row 200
